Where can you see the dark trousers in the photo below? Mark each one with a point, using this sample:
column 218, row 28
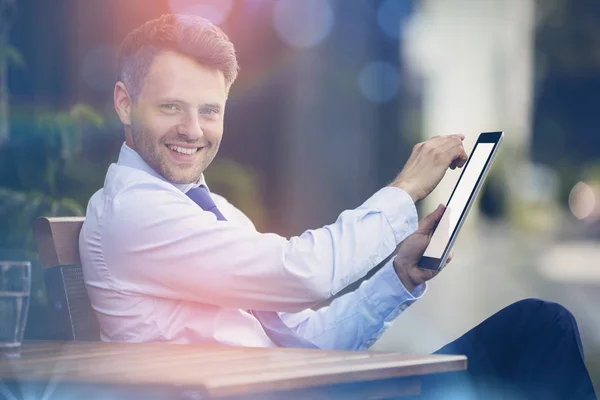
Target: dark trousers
column 529, row 350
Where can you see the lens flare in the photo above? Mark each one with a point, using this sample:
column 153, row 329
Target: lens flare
column 216, row 11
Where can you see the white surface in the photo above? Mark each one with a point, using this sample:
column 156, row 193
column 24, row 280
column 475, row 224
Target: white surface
column 459, row 200
column 577, row 262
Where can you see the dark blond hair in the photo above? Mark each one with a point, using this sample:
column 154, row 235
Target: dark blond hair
column 192, row 36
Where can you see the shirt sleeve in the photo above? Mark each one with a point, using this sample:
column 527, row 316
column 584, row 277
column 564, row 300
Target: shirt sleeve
column 157, row 242
column 357, row 319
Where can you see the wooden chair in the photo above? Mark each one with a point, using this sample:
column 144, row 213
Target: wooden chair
column 57, row 241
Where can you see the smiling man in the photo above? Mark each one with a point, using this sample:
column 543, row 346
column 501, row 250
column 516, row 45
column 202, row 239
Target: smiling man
column 175, row 127
column 166, row 260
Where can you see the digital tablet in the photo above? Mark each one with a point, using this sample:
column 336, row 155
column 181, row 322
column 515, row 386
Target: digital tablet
column 460, row 202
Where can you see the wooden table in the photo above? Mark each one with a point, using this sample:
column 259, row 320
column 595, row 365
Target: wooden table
column 201, row 372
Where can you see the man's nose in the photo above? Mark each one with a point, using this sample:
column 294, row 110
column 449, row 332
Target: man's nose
column 192, row 127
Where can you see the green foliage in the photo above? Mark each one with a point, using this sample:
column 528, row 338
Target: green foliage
column 41, row 151
column 36, row 166
column 8, row 56
column 17, row 212
column 19, row 209
column 64, row 130
column 11, row 56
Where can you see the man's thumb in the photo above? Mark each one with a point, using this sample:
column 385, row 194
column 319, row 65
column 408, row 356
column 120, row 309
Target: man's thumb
column 429, row 223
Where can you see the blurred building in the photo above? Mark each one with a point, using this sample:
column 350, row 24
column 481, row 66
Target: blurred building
column 475, row 59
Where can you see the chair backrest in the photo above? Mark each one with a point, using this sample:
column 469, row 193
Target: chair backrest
column 57, row 241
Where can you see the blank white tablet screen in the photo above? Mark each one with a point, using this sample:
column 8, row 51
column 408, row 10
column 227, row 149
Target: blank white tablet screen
column 459, row 200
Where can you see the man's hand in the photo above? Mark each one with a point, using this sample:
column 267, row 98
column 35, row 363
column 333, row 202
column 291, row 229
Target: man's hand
column 428, row 164
column 411, row 250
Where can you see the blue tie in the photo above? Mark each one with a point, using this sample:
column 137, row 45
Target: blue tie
column 272, row 324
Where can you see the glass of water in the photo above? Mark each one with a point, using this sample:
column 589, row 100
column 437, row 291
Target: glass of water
column 15, row 286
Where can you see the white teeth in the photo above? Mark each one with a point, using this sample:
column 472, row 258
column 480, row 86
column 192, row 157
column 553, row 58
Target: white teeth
column 183, row 150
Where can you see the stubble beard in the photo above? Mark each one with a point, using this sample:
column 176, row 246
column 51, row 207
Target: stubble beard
column 154, row 154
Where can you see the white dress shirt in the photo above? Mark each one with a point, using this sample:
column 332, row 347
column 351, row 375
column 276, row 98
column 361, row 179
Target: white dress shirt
column 158, row 268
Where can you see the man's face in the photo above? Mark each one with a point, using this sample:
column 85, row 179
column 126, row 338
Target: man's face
column 177, row 119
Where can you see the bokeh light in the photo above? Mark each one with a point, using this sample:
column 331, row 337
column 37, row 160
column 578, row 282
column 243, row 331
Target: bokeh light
column 216, row 11
column 583, row 200
column 390, row 15
column 99, row 67
column 304, row 23
column 379, row 81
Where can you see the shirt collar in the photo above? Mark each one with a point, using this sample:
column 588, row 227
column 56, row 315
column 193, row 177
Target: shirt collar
column 130, row 158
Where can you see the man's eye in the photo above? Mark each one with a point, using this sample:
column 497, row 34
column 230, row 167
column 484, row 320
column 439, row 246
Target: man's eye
column 209, row 111
column 170, row 107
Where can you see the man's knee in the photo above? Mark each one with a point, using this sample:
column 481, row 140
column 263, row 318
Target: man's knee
column 543, row 308
column 546, row 314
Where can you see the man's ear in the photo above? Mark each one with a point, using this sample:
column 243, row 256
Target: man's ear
column 123, row 103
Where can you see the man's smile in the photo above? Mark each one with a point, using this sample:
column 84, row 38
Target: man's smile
column 183, row 149
column 184, row 154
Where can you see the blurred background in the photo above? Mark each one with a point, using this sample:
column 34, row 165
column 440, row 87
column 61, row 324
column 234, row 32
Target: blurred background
column 331, row 98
